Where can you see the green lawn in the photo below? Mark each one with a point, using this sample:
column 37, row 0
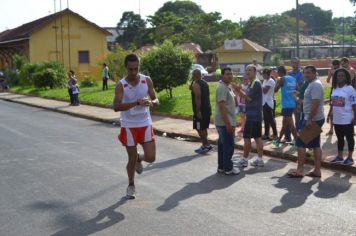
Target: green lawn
column 180, row 104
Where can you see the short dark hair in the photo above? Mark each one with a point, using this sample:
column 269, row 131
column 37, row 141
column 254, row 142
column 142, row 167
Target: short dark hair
column 72, row 72
column 104, row 64
column 335, row 62
column 225, row 69
column 310, row 67
column 131, row 58
column 334, row 79
column 266, row 72
column 282, row 69
column 344, row 59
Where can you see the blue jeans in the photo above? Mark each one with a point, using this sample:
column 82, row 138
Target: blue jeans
column 226, row 145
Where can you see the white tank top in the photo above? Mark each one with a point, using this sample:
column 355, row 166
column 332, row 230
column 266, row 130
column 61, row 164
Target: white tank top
column 138, row 116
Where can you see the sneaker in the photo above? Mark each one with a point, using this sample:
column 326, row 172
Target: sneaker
column 208, row 147
column 233, row 171
column 338, row 160
column 199, row 149
column 293, row 148
column 276, row 143
column 240, row 163
column 220, row 171
column 348, row 161
column 138, row 167
column 202, row 150
column 257, row 163
column 130, row 192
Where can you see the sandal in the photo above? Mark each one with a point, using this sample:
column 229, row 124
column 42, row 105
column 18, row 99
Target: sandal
column 295, row 174
column 313, row 175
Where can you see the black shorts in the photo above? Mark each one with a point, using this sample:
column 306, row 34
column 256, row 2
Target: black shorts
column 252, row 129
column 201, row 124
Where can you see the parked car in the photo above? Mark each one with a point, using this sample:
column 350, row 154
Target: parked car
column 201, row 68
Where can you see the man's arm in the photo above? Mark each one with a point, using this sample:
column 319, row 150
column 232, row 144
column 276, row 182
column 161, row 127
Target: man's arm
column 239, row 92
column 279, row 84
column 152, row 92
column 118, row 105
column 225, row 118
column 266, row 89
column 197, row 99
column 329, row 76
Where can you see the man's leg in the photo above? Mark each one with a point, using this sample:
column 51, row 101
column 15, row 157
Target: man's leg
column 247, row 147
column 266, row 119
column 203, row 134
column 220, row 148
column 301, row 159
column 130, row 167
column 149, row 152
column 317, row 161
column 259, row 146
column 292, row 127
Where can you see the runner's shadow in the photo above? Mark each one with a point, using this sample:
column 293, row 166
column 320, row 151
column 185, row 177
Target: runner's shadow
column 171, row 162
column 334, row 185
column 297, row 192
column 105, row 219
column 205, row 186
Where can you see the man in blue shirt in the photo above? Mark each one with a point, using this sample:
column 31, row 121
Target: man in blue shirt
column 297, row 73
column 288, row 85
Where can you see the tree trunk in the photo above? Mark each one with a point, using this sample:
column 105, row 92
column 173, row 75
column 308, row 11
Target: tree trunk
column 170, row 92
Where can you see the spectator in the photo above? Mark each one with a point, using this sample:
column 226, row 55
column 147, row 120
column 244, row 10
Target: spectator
column 268, row 104
column 71, row 78
column 345, row 63
column 225, row 123
column 259, row 69
column 253, row 125
column 242, row 104
column 105, row 76
column 313, row 111
column 288, row 85
column 201, row 110
column 75, row 93
column 343, row 103
column 335, row 66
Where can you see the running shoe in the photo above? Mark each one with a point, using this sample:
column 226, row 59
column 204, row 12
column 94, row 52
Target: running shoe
column 337, row 160
column 348, row 161
column 276, row 143
column 257, row 163
column 240, row 163
column 233, row 171
column 130, row 192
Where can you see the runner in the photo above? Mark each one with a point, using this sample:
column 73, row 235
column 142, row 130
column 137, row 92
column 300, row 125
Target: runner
column 201, row 110
column 131, row 99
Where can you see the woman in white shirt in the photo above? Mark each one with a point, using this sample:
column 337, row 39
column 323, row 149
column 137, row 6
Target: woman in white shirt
column 268, row 104
column 343, row 102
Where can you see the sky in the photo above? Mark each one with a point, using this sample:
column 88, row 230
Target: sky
column 107, row 13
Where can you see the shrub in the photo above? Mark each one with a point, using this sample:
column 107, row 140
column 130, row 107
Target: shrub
column 168, row 65
column 115, row 61
column 88, row 81
column 49, row 74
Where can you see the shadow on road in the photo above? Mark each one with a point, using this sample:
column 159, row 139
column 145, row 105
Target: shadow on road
column 171, row 162
column 270, row 166
column 205, row 186
column 88, row 227
column 297, row 192
column 334, row 185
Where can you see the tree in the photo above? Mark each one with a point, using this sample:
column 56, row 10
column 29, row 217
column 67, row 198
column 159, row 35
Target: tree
column 168, row 65
column 317, row 20
column 115, row 61
column 134, row 31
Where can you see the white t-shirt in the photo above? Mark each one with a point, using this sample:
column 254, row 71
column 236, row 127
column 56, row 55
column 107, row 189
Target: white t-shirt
column 268, row 97
column 342, row 100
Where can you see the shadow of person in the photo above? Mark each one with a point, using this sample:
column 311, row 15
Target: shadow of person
column 296, row 195
column 327, row 143
column 332, row 186
column 205, row 186
column 105, row 219
column 171, row 162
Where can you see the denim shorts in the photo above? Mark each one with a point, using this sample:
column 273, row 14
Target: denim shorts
column 315, row 143
column 242, row 109
column 287, row 112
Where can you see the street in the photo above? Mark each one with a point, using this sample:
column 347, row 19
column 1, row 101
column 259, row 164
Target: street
column 62, row 175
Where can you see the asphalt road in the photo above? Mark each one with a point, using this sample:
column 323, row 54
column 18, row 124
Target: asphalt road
column 61, row 175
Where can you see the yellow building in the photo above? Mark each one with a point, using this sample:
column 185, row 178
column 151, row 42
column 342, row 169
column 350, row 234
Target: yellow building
column 238, row 53
column 64, row 36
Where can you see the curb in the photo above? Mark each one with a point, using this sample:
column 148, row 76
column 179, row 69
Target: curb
column 192, row 138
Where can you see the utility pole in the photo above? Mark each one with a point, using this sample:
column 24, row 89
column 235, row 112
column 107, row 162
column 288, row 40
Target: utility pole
column 55, row 31
column 69, row 56
column 297, row 18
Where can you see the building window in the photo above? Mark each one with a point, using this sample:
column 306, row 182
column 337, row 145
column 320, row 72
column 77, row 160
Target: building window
column 83, row 56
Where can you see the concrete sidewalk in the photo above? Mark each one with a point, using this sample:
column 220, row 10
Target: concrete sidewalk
column 178, row 128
